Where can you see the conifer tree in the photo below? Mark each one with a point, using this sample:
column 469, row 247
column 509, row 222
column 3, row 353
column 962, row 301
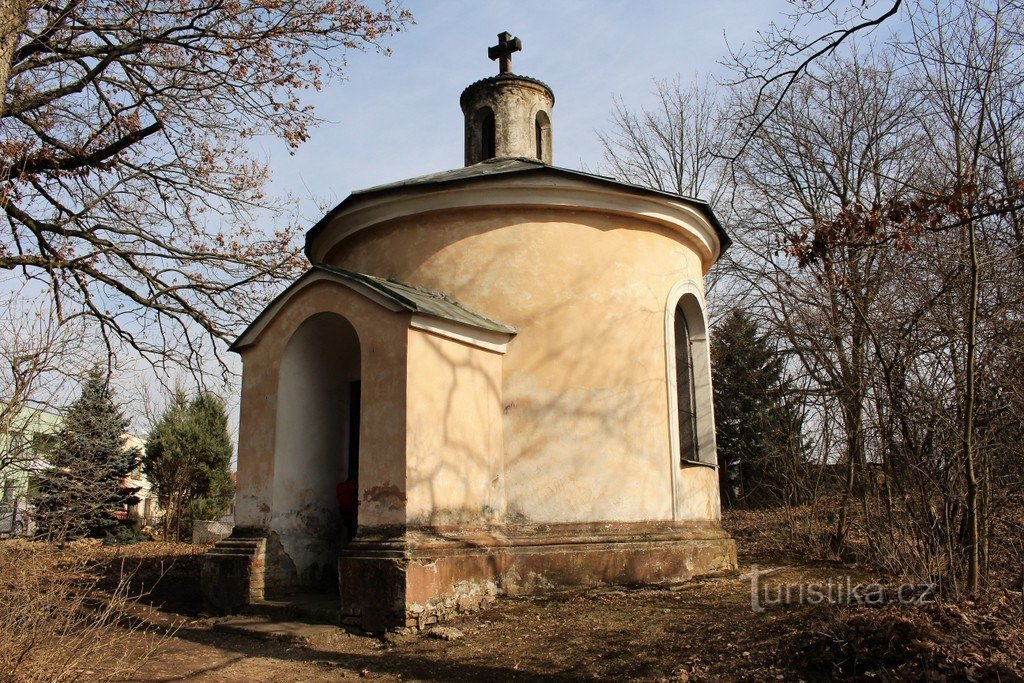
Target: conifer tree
column 83, row 492
column 188, row 459
column 757, row 426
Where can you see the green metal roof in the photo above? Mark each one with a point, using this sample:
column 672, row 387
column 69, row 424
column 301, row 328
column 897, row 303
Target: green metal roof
column 405, row 296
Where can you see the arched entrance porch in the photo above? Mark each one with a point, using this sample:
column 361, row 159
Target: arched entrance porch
column 316, row 452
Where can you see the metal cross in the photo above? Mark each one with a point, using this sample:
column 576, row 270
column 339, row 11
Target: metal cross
column 503, row 51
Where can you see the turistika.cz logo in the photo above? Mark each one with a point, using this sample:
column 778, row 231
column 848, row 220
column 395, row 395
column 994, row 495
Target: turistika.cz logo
column 841, row 590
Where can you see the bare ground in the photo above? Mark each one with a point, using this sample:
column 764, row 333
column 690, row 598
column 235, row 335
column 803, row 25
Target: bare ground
column 701, row 630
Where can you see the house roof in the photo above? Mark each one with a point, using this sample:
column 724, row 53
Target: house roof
column 502, row 167
column 386, row 291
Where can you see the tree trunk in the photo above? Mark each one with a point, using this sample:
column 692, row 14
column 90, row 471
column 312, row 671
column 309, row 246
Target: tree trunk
column 13, row 19
column 973, row 544
column 852, row 418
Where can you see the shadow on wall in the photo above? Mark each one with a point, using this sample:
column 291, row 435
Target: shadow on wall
column 584, row 417
column 319, row 374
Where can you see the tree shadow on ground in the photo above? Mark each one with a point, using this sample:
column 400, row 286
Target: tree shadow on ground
column 167, row 581
column 386, row 661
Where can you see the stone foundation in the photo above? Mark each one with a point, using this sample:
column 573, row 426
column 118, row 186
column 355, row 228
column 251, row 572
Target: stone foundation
column 420, row 577
column 233, row 573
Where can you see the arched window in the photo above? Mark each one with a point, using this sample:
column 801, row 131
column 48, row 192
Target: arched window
column 487, row 142
column 692, row 419
column 686, row 399
column 542, row 136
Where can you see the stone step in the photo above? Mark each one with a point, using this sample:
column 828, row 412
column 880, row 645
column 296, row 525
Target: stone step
column 314, row 608
column 236, row 546
column 239, row 543
column 232, row 551
column 266, row 628
column 233, row 573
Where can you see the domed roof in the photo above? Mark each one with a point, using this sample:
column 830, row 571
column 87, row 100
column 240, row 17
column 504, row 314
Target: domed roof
column 504, row 167
column 503, row 78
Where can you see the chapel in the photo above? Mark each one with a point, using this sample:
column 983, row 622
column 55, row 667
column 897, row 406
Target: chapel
column 493, row 379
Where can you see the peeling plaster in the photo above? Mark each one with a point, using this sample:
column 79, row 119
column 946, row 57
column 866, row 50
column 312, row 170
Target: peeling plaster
column 387, row 495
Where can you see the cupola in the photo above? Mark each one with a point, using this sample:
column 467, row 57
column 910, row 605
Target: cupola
column 507, row 115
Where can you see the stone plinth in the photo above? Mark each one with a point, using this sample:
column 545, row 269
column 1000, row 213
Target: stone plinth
column 233, row 573
column 421, row 577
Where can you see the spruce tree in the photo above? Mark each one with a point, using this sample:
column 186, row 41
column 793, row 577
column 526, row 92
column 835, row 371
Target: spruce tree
column 188, row 460
column 213, row 486
column 757, row 426
column 83, row 491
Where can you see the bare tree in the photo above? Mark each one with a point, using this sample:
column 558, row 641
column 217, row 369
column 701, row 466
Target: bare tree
column 844, row 139
column 41, row 362
column 675, row 146
column 124, row 181
column 790, row 51
column 903, row 270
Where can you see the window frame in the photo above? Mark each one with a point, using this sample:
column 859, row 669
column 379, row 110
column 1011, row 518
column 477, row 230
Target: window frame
column 542, row 135
column 687, row 299
column 488, row 134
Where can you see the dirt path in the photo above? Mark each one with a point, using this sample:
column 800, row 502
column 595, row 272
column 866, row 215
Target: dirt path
column 703, row 630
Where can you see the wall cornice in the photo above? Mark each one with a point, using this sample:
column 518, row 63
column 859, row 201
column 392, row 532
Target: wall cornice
column 553, row 193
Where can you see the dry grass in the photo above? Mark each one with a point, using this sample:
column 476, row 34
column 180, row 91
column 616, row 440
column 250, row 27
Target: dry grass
column 77, row 619
column 980, row 640
column 966, row 642
column 60, row 623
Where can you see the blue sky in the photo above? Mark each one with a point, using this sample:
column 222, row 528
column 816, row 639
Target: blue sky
column 397, row 117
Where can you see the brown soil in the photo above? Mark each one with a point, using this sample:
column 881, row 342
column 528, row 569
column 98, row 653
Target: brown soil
column 702, row 630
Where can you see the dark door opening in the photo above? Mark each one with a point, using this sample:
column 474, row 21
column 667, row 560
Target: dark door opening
column 348, row 490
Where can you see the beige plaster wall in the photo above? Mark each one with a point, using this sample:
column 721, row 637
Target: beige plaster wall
column 383, row 342
column 584, row 393
column 455, row 468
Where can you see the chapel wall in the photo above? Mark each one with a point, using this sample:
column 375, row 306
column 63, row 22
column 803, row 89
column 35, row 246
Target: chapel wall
column 382, row 339
column 454, row 441
column 584, row 383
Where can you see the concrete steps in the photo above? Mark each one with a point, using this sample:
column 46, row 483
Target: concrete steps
column 266, row 628
column 238, row 546
column 317, row 608
column 233, row 573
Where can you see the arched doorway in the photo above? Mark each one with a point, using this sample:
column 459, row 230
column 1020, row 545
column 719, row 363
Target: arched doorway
column 316, row 448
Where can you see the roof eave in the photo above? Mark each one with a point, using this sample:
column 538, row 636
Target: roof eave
column 534, row 167
column 383, row 295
